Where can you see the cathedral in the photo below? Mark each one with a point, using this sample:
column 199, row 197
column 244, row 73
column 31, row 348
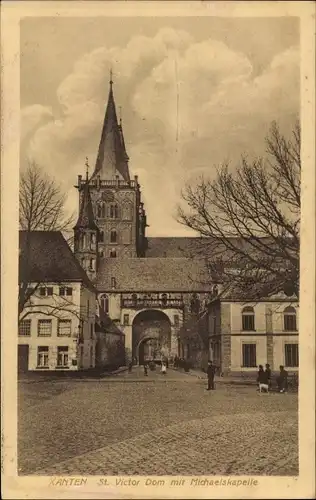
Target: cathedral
column 147, row 286
column 152, row 288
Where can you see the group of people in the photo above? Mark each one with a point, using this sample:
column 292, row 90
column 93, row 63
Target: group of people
column 265, row 377
column 163, row 368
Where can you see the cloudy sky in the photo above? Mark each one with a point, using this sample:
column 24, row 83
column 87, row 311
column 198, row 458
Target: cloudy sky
column 194, row 92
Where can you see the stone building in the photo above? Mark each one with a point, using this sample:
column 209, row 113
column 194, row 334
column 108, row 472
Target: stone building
column 152, row 288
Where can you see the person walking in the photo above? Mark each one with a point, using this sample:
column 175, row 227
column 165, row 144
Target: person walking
column 130, row 366
column 268, row 375
column 145, row 369
column 163, row 369
column 282, row 380
column 210, row 376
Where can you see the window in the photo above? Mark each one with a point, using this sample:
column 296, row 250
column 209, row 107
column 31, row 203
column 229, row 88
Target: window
column 101, row 254
column 289, row 319
column 42, row 356
column 46, row 291
column 88, row 308
column 25, row 328
column 249, row 358
column 91, row 331
column 176, row 320
column 113, row 282
column 113, row 211
column 92, row 264
column 113, row 253
column 99, row 210
column 101, row 236
column 62, row 356
column 64, row 328
column 65, row 290
column 248, row 319
column 126, row 319
column 113, row 236
column 44, row 327
column 291, row 355
column 105, row 303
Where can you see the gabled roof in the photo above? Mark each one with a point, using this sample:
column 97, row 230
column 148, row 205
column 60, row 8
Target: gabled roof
column 86, row 216
column 112, row 158
column 154, row 274
column 45, row 257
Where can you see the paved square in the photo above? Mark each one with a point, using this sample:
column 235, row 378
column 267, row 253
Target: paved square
column 131, row 424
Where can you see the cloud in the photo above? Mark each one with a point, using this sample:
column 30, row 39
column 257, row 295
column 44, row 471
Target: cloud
column 187, row 106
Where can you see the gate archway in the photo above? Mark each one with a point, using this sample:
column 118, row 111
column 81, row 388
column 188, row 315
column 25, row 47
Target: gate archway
column 151, row 335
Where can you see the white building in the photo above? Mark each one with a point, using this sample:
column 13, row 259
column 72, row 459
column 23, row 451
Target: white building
column 57, row 324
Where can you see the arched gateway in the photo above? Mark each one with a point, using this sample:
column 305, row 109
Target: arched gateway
column 151, row 335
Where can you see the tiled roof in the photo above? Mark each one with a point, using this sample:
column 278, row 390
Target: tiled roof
column 112, row 157
column 104, row 324
column 198, row 246
column 46, row 257
column 154, row 274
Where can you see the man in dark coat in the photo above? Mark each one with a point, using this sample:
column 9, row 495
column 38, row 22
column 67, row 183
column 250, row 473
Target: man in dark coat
column 282, row 380
column 210, row 376
column 268, row 375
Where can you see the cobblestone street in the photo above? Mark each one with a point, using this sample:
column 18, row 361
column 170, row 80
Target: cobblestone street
column 132, row 424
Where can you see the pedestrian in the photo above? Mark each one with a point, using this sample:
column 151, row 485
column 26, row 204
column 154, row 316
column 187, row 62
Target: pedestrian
column 268, row 375
column 163, row 368
column 145, row 369
column 282, row 380
column 210, row 376
column 130, row 366
column 262, row 379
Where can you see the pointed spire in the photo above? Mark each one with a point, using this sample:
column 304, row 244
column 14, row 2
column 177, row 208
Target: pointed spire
column 86, row 216
column 112, row 157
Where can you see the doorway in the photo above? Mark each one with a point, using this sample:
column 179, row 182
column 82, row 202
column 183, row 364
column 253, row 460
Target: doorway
column 23, row 358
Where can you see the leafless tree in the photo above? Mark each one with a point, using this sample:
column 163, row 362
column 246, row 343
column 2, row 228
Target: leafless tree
column 249, row 220
column 41, row 208
column 41, row 202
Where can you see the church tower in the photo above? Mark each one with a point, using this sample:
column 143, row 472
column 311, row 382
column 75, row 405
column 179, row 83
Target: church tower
column 116, row 198
column 86, row 232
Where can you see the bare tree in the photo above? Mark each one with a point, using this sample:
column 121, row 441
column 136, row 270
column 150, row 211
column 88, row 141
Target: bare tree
column 42, row 202
column 249, row 221
column 41, row 208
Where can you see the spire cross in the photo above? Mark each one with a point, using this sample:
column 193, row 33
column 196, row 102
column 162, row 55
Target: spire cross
column 87, row 168
column 111, row 77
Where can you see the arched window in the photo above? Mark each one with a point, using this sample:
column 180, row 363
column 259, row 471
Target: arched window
column 113, row 282
column 114, row 211
column 103, row 210
column 101, row 254
column 113, row 236
column 99, row 210
column 113, row 253
column 104, row 301
column 248, row 318
column 289, row 319
column 92, row 264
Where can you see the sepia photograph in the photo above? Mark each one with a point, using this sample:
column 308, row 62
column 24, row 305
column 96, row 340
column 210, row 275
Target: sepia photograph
column 159, row 242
